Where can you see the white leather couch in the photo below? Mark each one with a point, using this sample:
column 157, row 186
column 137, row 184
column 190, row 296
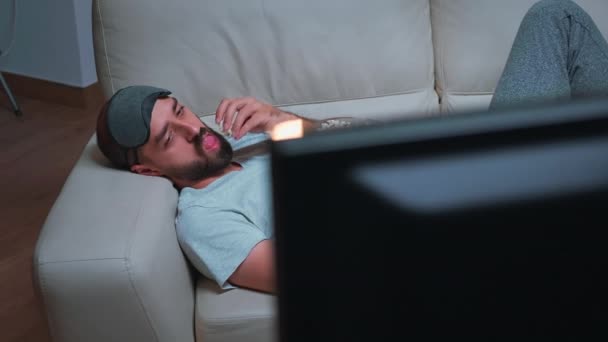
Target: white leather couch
column 108, row 264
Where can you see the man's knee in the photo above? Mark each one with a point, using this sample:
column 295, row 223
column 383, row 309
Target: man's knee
column 557, row 9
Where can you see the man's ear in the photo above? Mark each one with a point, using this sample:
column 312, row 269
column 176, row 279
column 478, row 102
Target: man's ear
column 145, row 170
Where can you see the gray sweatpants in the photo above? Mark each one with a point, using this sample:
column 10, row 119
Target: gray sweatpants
column 558, row 54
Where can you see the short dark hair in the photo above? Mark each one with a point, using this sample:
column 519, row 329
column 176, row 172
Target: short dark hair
column 120, row 156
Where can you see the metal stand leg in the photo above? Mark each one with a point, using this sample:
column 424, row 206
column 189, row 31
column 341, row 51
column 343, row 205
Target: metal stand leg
column 10, row 96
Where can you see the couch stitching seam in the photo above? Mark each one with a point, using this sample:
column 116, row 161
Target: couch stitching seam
column 130, row 273
column 426, row 90
column 44, row 294
column 105, row 46
column 440, row 52
column 76, row 260
column 418, row 90
column 235, row 320
column 464, row 93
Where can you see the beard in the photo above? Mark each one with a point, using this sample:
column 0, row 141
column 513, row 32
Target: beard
column 208, row 164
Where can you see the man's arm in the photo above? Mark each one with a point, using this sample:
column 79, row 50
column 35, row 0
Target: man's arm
column 257, row 271
column 254, row 116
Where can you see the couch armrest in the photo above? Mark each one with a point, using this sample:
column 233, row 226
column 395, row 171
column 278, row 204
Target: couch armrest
column 107, row 262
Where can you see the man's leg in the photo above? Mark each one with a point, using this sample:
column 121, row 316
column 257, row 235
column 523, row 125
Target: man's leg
column 558, row 54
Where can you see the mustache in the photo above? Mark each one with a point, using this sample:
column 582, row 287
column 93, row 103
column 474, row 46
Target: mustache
column 198, row 140
column 199, row 137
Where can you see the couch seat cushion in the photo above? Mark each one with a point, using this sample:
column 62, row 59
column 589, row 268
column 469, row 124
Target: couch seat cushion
column 234, row 315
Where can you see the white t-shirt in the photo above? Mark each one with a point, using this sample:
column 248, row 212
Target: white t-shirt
column 218, row 226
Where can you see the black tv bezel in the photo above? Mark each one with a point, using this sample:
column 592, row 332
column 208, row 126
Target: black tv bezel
column 312, row 158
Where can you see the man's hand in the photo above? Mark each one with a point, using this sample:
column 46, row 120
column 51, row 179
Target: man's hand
column 253, row 116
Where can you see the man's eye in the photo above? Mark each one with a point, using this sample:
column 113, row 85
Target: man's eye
column 180, row 111
column 169, row 137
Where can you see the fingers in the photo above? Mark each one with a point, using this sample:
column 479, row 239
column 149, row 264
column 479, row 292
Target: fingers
column 253, row 122
column 221, row 109
column 228, row 106
column 245, row 113
column 231, row 110
column 252, row 115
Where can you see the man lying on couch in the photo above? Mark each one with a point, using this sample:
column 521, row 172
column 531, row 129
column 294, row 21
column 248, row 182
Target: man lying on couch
column 224, row 216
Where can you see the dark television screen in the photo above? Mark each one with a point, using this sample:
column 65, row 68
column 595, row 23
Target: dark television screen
column 487, row 225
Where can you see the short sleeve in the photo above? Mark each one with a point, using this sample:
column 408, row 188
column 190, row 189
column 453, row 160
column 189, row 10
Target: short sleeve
column 216, row 241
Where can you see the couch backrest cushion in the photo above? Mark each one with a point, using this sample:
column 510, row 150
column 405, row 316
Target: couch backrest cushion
column 282, row 51
column 472, row 40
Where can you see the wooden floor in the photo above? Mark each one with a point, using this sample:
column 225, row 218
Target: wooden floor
column 36, row 155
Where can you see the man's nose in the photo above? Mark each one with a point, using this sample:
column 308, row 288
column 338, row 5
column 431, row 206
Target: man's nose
column 189, row 131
